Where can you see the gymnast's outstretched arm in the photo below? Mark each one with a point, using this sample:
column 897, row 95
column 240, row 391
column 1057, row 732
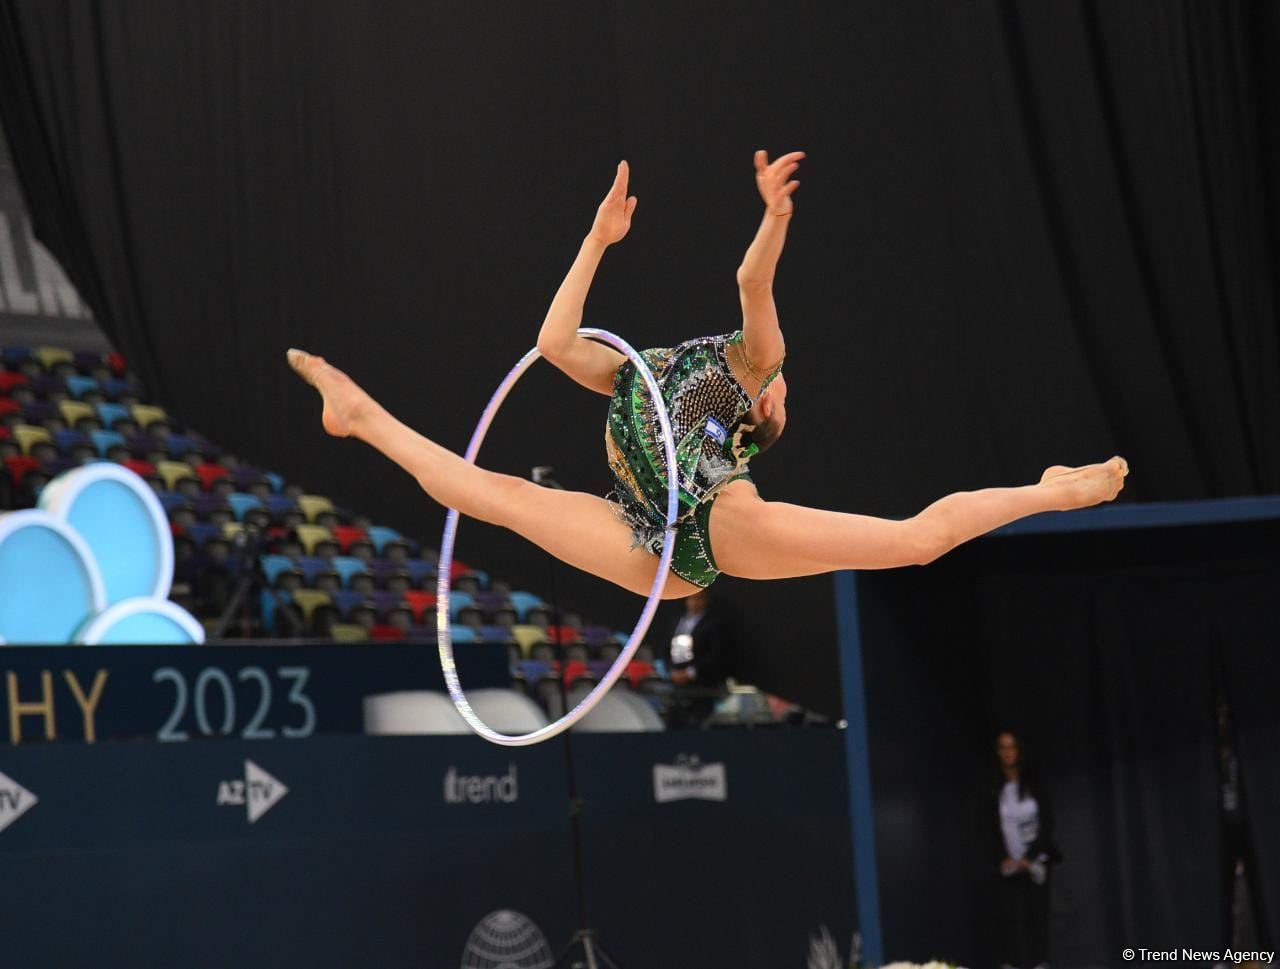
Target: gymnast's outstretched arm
column 590, row 363
column 762, row 336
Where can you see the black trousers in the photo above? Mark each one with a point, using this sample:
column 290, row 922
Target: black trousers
column 1023, row 909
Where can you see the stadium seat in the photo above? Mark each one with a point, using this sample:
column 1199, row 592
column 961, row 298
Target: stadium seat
column 79, row 385
column 308, row 600
column 240, row 503
column 273, row 565
column 345, row 632
column 463, row 634
column 13, row 357
column 28, row 435
column 346, row 534
column 384, row 632
column 209, row 474
column 312, row 536
column 419, row 602
column 147, row 414
column 50, row 357
column 523, row 602
column 313, row 505
column 176, row 474
column 9, row 406
column 346, row 567
column 528, row 636
column 19, row 466
column 380, row 535
column 346, row 602
column 77, row 410
column 458, row 601
column 104, row 441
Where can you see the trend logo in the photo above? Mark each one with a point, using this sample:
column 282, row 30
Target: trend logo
column 93, row 564
column 259, row 792
column 481, row 789
column 15, row 801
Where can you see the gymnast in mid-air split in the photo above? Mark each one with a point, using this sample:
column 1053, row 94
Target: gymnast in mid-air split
column 726, row 399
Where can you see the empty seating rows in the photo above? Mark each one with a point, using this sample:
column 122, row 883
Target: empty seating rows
column 319, row 570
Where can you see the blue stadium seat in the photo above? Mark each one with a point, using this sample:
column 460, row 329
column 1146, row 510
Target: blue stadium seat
column 268, row 601
column 458, row 600
column 110, row 413
column 240, row 503
column 522, row 602
column 105, row 440
column 380, row 535
column 345, row 601
column 463, row 634
column 273, row 565
column 202, row 532
column 346, row 566
column 79, row 386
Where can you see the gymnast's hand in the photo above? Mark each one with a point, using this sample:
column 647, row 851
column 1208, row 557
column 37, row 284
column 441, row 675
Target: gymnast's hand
column 771, row 180
column 613, row 218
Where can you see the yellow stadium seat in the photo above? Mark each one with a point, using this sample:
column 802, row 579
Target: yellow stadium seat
column 527, row 636
column 74, row 410
column 312, row 535
column 173, row 472
column 308, row 600
column 231, row 529
column 346, row 632
column 147, row 414
column 28, row 435
column 313, row 505
column 50, row 357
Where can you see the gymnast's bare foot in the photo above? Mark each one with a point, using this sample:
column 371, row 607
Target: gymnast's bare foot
column 344, row 400
column 1091, row 484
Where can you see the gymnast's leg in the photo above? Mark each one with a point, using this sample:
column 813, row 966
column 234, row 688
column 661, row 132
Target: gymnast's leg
column 579, row 529
column 755, row 539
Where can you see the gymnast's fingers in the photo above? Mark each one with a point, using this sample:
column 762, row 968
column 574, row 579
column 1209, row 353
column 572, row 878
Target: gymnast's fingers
column 761, row 160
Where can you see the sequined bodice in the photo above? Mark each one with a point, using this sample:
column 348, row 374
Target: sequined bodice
column 705, row 403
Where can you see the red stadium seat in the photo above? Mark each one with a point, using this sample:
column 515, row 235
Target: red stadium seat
column 117, row 363
column 637, row 672
column 346, row 534
column 419, row 602
column 20, row 465
column 9, row 380
column 144, row 469
column 386, row 633
column 9, row 406
column 209, row 473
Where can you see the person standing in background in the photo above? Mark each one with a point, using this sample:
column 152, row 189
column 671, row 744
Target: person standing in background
column 702, row 652
column 1024, row 835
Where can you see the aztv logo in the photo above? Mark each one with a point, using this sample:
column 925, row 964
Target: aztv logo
column 259, row 792
column 15, row 801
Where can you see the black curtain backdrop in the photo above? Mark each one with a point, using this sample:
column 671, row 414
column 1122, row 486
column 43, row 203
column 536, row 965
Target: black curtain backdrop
column 1108, row 678
column 1027, row 233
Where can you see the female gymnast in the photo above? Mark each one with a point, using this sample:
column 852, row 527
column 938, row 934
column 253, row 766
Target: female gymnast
column 726, row 399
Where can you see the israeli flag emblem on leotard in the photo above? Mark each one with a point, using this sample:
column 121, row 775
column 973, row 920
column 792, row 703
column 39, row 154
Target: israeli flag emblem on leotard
column 716, row 429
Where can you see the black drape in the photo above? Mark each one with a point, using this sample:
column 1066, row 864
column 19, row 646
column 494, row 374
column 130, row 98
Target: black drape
column 1027, row 233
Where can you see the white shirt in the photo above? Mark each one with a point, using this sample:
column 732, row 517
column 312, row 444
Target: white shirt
column 1019, row 821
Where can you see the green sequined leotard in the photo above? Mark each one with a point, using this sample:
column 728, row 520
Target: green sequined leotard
column 705, row 403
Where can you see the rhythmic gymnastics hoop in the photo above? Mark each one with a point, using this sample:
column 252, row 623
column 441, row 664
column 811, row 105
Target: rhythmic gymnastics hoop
column 443, row 633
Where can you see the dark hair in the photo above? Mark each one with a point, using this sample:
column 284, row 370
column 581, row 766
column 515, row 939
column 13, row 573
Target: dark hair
column 765, row 434
column 1027, row 775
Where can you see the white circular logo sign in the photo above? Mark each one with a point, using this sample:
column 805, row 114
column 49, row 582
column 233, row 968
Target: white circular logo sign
column 506, row 940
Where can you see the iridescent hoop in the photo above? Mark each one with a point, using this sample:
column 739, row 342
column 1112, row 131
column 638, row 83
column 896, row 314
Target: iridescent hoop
column 659, row 580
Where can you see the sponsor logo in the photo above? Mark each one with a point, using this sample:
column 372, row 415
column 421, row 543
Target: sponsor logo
column 481, row 789
column 259, row 792
column 689, row 778
column 15, row 801
column 506, row 940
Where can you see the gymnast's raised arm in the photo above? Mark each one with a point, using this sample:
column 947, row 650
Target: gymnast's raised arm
column 762, row 335
column 590, row 363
